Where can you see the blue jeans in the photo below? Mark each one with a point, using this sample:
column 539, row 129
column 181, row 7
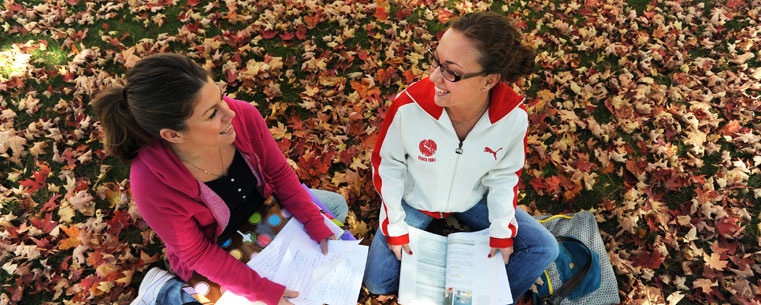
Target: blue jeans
column 534, row 248
column 172, row 294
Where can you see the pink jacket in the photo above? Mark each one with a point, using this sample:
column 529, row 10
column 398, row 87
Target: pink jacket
column 189, row 216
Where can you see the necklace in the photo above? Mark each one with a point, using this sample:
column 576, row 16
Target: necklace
column 205, row 171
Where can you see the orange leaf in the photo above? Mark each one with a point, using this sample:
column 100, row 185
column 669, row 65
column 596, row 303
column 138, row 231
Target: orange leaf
column 380, row 13
column 72, row 241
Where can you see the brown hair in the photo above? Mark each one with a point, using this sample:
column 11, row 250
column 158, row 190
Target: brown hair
column 160, row 93
column 499, row 43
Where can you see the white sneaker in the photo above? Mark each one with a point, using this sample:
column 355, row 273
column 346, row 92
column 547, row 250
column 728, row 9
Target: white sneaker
column 151, row 285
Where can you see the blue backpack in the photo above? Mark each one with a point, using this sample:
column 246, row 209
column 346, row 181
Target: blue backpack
column 577, row 267
column 582, row 272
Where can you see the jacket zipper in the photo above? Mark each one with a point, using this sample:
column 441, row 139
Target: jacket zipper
column 457, row 151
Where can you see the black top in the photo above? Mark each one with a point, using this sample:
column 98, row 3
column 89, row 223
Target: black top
column 238, row 190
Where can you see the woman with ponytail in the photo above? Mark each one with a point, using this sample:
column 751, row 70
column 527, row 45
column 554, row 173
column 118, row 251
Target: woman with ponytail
column 454, row 144
column 200, row 164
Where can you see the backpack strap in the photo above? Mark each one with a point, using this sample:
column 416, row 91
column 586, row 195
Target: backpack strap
column 568, row 287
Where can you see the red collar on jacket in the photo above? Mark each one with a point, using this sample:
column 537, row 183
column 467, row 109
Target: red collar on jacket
column 503, row 99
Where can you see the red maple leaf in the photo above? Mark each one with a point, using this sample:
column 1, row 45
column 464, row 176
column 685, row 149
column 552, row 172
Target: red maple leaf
column 553, row 183
column 538, row 184
column 409, row 76
column 193, row 2
column 88, row 282
column 727, row 226
column 46, row 225
column 39, row 179
column 650, row 260
column 118, row 222
column 50, row 204
column 583, row 165
column 268, row 34
column 287, row 36
column 230, row 76
column 301, row 32
column 443, row 14
column 735, row 3
column 380, row 13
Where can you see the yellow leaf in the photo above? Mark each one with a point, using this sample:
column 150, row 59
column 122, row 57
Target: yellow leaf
column 113, row 197
column 356, row 227
column 104, row 270
column 127, row 278
column 105, row 286
column 65, row 212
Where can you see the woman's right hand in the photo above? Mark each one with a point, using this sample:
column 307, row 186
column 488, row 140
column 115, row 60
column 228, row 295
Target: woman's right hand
column 397, row 249
column 287, row 294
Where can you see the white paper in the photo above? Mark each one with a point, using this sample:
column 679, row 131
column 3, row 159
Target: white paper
column 337, row 284
column 296, row 261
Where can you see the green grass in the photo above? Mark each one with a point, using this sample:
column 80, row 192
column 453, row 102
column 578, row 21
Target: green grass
column 639, row 5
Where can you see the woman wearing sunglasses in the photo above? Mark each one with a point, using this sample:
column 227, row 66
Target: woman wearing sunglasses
column 454, row 144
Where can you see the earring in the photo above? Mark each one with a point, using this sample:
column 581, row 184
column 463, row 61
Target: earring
column 483, row 89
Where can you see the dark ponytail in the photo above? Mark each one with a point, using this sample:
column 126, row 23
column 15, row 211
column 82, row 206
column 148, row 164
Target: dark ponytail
column 160, row 93
column 499, row 43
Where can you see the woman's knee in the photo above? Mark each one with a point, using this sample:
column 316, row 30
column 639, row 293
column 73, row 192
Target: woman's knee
column 551, row 250
column 382, row 268
column 334, row 202
column 546, row 246
column 380, row 286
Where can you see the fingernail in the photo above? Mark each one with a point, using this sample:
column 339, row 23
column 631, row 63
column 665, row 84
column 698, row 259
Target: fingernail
column 410, row 252
column 489, row 255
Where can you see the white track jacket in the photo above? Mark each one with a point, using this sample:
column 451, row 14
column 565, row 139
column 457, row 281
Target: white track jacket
column 419, row 158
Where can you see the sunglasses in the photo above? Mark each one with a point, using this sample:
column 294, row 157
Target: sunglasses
column 449, row 74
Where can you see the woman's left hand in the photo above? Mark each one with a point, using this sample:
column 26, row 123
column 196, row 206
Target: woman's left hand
column 324, row 244
column 505, row 253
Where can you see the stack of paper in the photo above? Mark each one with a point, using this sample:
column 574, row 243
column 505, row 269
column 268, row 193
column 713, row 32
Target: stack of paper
column 296, row 261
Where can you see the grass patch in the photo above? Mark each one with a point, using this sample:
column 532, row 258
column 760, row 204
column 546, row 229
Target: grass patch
column 638, row 5
column 677, row 199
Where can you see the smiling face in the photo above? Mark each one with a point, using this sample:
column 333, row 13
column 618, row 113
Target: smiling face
column 460, row 55
column 211, row 121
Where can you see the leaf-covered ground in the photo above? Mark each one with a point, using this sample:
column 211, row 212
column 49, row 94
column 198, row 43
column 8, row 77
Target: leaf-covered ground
column 646, row 113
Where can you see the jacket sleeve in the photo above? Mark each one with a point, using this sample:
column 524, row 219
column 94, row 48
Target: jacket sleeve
column 286, row 184
column 502, row 184
column 170, row 215
column 389, row 173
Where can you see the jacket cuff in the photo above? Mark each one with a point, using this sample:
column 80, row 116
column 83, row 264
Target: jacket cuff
column 397, row 240
column 317, row 229
column 271, row 292
column 500, row 242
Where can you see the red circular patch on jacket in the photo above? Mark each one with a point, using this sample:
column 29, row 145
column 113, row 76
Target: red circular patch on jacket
column 427, row 147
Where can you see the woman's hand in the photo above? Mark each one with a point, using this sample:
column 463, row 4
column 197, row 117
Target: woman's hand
column 324, row 244
column 397, row 249
column 287, row 294
column 505, row 253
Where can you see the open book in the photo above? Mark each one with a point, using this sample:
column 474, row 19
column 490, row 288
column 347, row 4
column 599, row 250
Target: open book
column 452, row 270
